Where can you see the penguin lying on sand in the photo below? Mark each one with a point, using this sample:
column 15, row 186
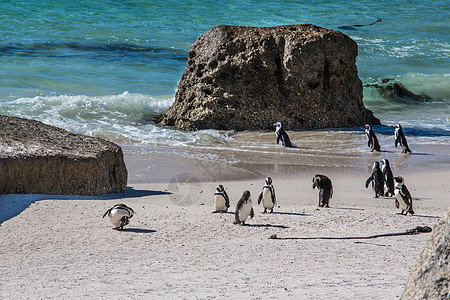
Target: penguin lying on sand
column 403, row 197
column 377, row 180
column 221, row 200
column 119, row 215
column 244, row 209
column 323, row 183
column 388, row 178
column 401, row 139
column 372, row 141
column 268, row 196
column 282, row 136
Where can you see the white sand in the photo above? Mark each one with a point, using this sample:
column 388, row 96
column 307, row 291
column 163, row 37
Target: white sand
column 59, row 247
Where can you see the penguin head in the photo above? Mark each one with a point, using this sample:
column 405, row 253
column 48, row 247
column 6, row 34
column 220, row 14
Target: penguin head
column 399, row 181
column 376, row 165
column 385, row 162
column 398, row 126
column 220, row 188
column 246, row 195
column 278, row 125
column 367, row 126
column 268, row 181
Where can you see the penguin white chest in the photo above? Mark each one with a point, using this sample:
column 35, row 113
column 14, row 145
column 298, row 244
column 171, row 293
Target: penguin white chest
column 244, row 210
column 267, row 198
column 116, row 216
column 220, row 202
column 400, row 199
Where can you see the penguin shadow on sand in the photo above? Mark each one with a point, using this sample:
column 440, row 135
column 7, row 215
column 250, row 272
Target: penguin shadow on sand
column 138, row 230
column 291, row 214
column 267, row 226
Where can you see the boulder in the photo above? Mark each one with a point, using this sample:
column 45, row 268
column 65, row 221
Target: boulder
column 247, row 78
column 42, row 159
column 431, row 274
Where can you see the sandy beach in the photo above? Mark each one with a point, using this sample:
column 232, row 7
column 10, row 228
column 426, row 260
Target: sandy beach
column 59, row 247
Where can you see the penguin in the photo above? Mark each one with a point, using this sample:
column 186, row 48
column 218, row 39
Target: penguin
column 244, row 209
column 323, row 184
column 400, row 139
column 267, row 196
column 119, row 215
column 388, row 178
column 221, row 199
column 403, row 198
column 282, row 136
column 372, row 141
column 377, row 180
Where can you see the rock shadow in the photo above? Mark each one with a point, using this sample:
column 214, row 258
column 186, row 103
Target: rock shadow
column 12, row 205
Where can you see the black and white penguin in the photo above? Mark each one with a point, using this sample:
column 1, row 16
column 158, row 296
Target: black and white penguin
column 267, row 196
column 377, row 180
column 403, row 198
column 244, row 209
column 282, row 136
column 221, row 200
column 388, row 178
column 323, row 184
column 119, row 215
column 400, row 139
column 372, row 141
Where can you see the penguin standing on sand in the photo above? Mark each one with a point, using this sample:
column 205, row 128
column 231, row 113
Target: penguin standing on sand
column 268, row 196
column 282, row 136
column 244, row 209
column 372, row 141
column 377, row 180
column 388, row 178
column 119, row 215
column 221, row 199
column 400, row 139
column 403, row 197
column 323, row 184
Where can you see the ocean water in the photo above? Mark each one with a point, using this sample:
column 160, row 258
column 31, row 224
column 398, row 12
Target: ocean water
column 106, row 68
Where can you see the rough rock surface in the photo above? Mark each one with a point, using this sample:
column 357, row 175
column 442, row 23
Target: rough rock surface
column 431, row 275
column 240, row 78
column 42, row 159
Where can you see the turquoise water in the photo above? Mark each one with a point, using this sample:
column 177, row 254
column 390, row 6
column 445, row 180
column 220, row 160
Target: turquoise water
column 105, row 68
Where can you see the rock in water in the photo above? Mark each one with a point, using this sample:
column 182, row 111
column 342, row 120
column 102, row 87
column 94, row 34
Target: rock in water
column 42, row 159
column 245, row 78
column 431, row 274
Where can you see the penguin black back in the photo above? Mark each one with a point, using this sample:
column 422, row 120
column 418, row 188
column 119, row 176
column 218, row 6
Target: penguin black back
column 400, row 139
column 377, row 180
column 372, row 141
column 323, row 183
column 282, row 135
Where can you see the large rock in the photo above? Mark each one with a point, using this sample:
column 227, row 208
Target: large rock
column 42, row 159
column 249, row 77
column 431, row 275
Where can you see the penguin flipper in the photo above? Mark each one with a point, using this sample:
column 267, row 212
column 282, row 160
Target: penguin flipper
column 107, row 212
column 252, row 213
column 227, row 199
column 274, row 198
column 397, row 204
column 236, row 217
column 368, row 181
column 260, row 198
